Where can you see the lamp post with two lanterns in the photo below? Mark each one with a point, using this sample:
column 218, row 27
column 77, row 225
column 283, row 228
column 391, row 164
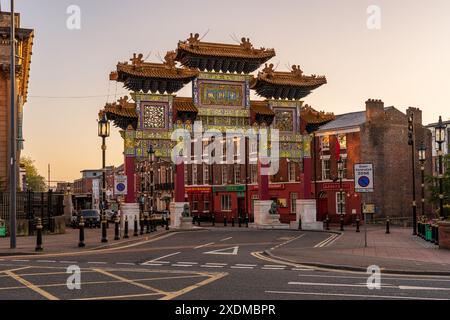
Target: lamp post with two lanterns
column 440, row 139
column 422, row 159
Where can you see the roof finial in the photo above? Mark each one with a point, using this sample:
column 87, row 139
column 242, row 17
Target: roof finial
column 297, row 71
column 194, row 40
column 246, row 44
column 138, row 60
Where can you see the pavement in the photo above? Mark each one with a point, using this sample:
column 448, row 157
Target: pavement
column 397, row 252
column 211, row 264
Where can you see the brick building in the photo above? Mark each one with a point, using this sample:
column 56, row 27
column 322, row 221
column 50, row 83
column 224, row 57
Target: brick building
column 379, row 136
column 24, row 38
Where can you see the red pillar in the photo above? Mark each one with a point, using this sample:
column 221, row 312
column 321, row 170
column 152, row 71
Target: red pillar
column 179, row 183
column 263, row 181
column 129, row 172
column 307, row 178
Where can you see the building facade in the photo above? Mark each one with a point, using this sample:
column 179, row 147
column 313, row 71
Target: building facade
column 378, row 136
column 222, row 81
column 24, row 44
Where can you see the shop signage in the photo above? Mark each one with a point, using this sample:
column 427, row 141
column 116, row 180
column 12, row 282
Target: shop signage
column 335, row 186
column 229, row 189
column 198, row 189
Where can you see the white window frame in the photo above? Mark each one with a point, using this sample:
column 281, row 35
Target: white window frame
column 194, row 174
column 225, row 202
column 293, row 199
column 237, row 170
column 224, row 174
column 291, row 171
column 323, row 159
column 338, row 201
column 186, row 174
column 254, row 173
column 206, row 174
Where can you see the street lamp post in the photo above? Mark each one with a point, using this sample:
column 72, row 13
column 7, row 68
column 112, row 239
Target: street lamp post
column 422, row 159
column 412, row 143
column 103, row 132
column 440, row 139
column 151, row 156
column 340, row 164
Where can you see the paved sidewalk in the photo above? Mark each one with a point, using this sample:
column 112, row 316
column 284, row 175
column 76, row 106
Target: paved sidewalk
column 398, row 252
column 68, row 242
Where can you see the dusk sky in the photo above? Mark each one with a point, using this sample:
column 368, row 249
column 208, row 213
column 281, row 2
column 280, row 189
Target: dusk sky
column 405, row 63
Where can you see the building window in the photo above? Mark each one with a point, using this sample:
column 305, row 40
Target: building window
column 325, row 143
column 206, row 205
column 291, row 171
column 186, row 174
column 224, row 174
column 237, row 174
column 340, row 201
column 205, row 174
column 254, row 173
column 342, row 138
column 326, row 169
column 294, row 202
column 195, row 203
column 194, row 174
column 225, row 202
column 344, row 165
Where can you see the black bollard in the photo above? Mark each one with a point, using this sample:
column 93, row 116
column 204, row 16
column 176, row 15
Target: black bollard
column 135, row 234
column 153, row 223
column 116, row 229
column 342, row 222
column 125, row 236
column 224, row 221
column 327, row 220
column 299, row 223
column 232, row 222
column 81, row 244
column 104, row 232
column 357, row 224
column 141, row 221
column 213, row 220
column 39, row 235
column 198, row 220
column 436, row 240
column 387, row 225
column 246, row 221
column 147, row 223
column 167, row 224
column 240, row 221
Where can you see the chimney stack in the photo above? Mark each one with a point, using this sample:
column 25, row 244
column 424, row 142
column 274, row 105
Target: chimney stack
column 374, row 109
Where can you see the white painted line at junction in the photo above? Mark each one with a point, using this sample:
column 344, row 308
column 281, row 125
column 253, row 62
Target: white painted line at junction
column 67, row 261
column 245, row 265
column 126, row 263
column 226, row 239
column 274, row 266
column 422, row 288
column 268, row 268
column 212, row 266
column 233, row 251
column 152, row 264
column 216, row 264
column 351, row 295
column 336, row 285
column 289, row 241
column 204, row 245
column 181, row 265
column 239, row 267
column 300, row 269
column 21, row 260
column 96, row 262
column 157, row 259
column 46, row 261
column 326, row 241
column 182, row 262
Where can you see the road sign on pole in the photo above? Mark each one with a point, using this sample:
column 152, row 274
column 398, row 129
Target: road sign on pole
column 120, row 185
column 364, row 177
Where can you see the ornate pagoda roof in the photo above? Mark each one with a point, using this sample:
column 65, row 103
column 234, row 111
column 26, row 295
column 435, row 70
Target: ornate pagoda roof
column 261, row 108
column 313, row 116
column 122, row 113
column 240, row 58
column 292, row 85
column 153, row 77
column 182, row 104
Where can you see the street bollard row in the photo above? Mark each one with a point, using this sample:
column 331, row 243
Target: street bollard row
column 39, row 235
column 388, row 222
column 357, row 224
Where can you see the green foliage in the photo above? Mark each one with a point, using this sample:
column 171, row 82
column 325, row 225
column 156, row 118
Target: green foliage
column 433, row 183
column 35, row 181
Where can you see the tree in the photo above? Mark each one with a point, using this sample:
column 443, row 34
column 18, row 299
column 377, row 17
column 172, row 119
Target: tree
column 433, row 183
column 35, row 182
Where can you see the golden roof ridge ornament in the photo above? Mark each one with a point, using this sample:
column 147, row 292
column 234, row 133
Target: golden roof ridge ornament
column 194, row 40
column 297, row 71
column 137, row 60
column 246, row 44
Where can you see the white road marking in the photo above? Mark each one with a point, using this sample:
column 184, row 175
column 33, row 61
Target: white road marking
column 211, row 266
column 126, row 263
column 153, row 264
column 216, row 264
column 299, row 269
column 422, row 288
column 20, row 260
column 226, row 239
column 157, row 259
column 204, row 245
column 289, row 241
column 364, row 278
column 181, row 265
column 266, row 268
column 67, row 261
column 233, row 251
column 238, row 267
column 336, row 285
column 351, row 295
column 182, row 262
column 46, row 261
column 274, row 266
column 97, row 262
column 245, row 265
column 325, row 242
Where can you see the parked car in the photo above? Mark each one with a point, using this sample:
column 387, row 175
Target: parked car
column 91, row 219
